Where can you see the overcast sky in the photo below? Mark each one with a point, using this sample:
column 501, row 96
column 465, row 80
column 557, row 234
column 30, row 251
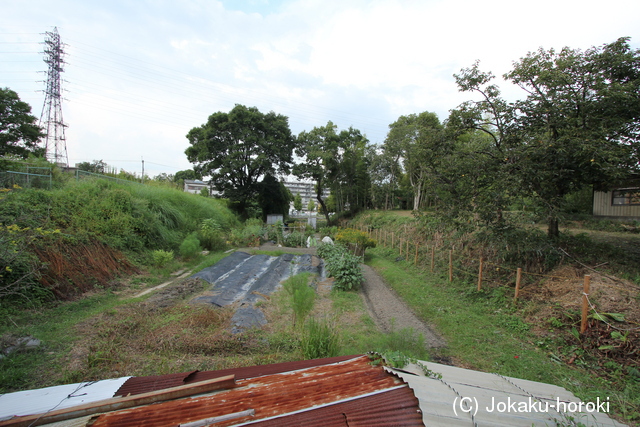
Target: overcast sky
column 141, row 73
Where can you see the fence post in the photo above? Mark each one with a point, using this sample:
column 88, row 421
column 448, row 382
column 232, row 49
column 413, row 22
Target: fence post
column 400, row 246
column 393, row 238
column 407, row 251
column 480, row 275
column 450, row 265
column 518, row 278
column 415, row 262
column 585, row 304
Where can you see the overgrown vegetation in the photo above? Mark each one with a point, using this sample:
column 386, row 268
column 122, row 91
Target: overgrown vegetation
column 342, row 265
column 489, row 331
column 103, row 223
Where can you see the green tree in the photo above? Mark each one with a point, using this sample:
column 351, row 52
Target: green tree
column 578, row 124
column 297, row 202
column 409, row 140
column 274, row 197
column 96, row 166
column 311, row 206
column 237, row 148
column 19, row 135
column 320, row 149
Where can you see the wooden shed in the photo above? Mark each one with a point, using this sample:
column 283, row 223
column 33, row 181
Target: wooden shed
column 622, row 203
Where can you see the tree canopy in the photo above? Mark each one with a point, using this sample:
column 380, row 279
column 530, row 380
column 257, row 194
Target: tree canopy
column 19, row 135
column 577, row 125
column 237, row 148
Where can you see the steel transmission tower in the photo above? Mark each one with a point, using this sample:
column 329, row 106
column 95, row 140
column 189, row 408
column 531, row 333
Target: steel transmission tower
column 55, row 144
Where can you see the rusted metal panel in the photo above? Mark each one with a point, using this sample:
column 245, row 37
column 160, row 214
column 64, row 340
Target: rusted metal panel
column 281, row 394
column 138, row 385
column 396, row 407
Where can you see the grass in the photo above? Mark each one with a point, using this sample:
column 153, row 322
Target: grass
column 484, row 332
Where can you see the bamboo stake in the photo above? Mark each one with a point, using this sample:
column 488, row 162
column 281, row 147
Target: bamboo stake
column 480, row 275
column 585, row 304
column 400, row 247
column 518, row 278
column 450, row 265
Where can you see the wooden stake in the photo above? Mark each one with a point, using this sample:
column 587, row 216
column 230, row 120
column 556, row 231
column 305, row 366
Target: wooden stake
column 450, row 265
column 480, row 274
column 400, row 247
column 415, row 262
column 407, row 251
column 585, row 303
column 393, row 238
column 518, row 278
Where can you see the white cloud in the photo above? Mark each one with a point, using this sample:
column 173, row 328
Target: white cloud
column 141, row 74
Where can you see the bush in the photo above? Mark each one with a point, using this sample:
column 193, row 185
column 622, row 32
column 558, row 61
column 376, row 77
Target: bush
column 294, row 239
column 160, row 258
column 190, row 246
column 275, row 232
column 357, row 241
column 249, row 235
column 210, row 235
column 328, row 231
column 342, row 265
column 321, row 339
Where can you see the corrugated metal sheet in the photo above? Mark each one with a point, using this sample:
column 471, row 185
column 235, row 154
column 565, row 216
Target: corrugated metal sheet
column 438, row 396
column 138, row 385
column 277, row 395
column 41, row 400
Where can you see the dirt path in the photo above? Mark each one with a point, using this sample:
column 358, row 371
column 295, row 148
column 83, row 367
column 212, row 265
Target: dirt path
column 390, row 312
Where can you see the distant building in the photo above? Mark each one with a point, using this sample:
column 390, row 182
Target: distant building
column 195, row 186
column 307, row 191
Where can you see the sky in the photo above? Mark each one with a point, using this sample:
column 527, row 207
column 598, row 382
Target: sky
column 140, row 74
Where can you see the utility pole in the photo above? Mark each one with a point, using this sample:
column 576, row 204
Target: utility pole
column 142, row 169
column 55, row 143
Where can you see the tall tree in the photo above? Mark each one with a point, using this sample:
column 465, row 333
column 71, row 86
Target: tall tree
column 409, row 140
column 273, row 197
column 237, row 148
column 579, row 124
column 320, row 149
column 19, row 135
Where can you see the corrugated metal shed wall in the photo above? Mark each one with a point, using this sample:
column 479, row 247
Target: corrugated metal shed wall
column 602, row 207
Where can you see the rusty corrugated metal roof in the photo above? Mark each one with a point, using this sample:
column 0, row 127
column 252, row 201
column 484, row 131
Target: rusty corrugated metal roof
column 327, row 394
column 138, row 385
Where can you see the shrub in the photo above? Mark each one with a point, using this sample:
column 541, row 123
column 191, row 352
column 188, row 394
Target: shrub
column 342, row 265
column 328, row 231
column 190, row 246
column 321, row 339
column 160, row 257
column 275, row 232
column 210, row 234
column 357, row 241
column 294, row 239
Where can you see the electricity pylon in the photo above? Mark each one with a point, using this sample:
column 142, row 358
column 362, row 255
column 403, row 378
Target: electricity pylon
column 55, row 143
